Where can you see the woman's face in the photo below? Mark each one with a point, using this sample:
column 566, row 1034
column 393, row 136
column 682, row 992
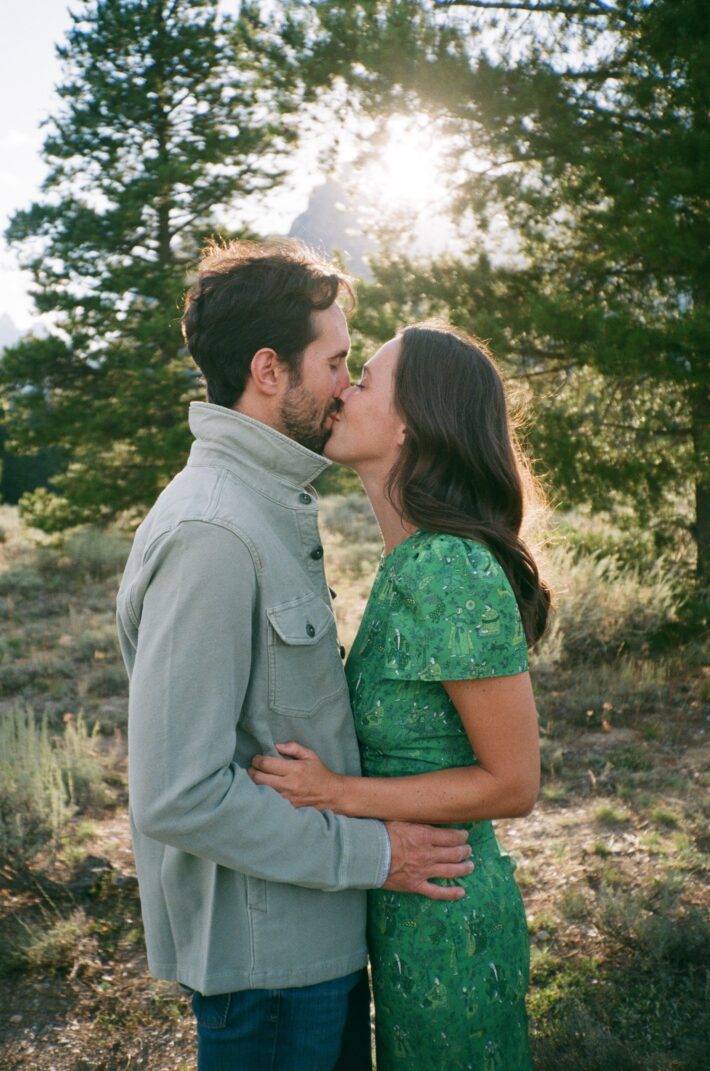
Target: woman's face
column 368, row 432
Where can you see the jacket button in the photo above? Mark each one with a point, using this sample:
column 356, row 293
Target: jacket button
column 317, row 554
column 342, row 651
column 310, row 629
column 305, row 498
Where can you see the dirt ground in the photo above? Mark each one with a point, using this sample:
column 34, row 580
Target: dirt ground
column 107, row 1014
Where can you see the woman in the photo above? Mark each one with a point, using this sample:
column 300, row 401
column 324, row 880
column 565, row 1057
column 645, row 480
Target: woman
column 440, row 692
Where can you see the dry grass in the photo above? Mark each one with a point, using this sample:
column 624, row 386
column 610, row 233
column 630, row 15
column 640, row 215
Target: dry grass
column 612, row 863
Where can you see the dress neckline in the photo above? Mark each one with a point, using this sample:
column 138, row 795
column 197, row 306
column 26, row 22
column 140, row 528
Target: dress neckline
column 387, row 555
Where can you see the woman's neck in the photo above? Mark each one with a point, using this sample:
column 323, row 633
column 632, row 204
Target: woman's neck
column 393, row 528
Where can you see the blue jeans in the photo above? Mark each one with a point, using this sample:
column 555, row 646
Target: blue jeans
column 324, row 1027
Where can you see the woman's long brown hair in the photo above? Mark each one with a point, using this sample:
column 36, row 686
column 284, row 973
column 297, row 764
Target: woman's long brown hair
column 460, row 470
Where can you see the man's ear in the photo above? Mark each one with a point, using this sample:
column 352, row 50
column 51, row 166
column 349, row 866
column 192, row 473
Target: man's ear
column 267, row 371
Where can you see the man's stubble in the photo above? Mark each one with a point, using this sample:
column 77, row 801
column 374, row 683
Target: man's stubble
column 304, row 418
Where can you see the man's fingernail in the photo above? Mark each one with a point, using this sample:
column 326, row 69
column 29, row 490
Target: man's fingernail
column 461, row 894
column 470, row 868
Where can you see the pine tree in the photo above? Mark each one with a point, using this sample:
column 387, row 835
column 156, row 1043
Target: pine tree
column 595, row 118
column 169, row 115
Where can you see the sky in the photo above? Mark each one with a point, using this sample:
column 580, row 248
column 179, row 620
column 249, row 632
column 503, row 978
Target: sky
column 29, row 71
column 405, row 174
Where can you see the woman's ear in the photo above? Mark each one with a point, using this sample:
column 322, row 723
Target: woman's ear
column 401, row 435
column 267, row 371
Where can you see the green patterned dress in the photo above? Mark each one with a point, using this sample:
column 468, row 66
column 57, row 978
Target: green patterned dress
column 449, row 978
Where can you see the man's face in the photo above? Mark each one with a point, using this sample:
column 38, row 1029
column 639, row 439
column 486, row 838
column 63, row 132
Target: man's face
column 312, row 396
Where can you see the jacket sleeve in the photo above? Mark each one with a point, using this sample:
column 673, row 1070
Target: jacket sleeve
column 189, row 678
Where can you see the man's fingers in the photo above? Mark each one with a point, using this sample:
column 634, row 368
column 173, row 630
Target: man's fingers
column 451, row 870
column 441, row 892
column 446, row 837
column 450, row 855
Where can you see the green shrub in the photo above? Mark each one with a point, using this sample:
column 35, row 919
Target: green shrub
column 43, row 779
column 667, row 931
column 64, row 945
column 16, row 676
column 351, row 517
column 612, row 817
column 583, row 1042
column 604, row 609
column 20, row 676
column 108, row 681
column 97, row 552
column 21, row 581
column 572, row 905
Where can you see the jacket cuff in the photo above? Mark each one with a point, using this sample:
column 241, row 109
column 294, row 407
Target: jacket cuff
column 367, row 856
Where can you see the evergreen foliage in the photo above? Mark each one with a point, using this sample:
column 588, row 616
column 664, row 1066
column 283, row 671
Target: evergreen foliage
column 169, row 115
column 586, row 126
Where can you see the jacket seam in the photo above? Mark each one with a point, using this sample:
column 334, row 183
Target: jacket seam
column 216, row 523
column 227, row 471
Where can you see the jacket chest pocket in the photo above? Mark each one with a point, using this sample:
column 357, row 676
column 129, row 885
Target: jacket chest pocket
column 305, row 669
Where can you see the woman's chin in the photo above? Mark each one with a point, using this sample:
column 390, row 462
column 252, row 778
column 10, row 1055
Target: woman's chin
column 333, row 453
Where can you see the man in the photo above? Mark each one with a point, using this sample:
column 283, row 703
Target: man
column 229, row 639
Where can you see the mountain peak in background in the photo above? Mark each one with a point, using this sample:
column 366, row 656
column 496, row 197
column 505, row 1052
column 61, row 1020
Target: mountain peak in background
column 329, row 225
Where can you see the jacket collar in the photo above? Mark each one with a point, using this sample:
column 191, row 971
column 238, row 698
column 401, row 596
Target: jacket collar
column 258, row 454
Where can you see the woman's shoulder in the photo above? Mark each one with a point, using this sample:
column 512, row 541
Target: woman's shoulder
column 453, row 614
column 439, row 551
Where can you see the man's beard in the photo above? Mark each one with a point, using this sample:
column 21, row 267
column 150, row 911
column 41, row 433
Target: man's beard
column 304, row 420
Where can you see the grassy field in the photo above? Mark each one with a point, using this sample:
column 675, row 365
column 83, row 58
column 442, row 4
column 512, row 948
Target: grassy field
column 612, row 864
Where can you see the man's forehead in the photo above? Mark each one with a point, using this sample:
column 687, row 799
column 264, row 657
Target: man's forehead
column 331, row 327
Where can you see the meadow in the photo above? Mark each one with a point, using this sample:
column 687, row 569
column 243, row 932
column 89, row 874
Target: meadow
column 612, row 863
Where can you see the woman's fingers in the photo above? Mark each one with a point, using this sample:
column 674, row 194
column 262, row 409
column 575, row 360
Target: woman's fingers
column 296, row 751
column 270, row 764
column 260, row 778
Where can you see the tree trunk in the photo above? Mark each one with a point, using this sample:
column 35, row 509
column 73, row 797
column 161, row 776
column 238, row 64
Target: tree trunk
column 700, row 407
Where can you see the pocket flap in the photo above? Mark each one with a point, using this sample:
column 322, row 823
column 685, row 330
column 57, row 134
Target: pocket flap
column 301, row 621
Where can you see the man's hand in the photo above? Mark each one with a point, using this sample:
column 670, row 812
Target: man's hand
column 420, row 853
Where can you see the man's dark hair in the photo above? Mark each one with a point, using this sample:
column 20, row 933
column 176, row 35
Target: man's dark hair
column 251, row 295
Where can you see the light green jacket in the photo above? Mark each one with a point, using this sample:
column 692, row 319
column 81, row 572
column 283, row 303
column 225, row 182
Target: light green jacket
column 229, row 639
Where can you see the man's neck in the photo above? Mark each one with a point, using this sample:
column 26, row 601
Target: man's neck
column 256, row 410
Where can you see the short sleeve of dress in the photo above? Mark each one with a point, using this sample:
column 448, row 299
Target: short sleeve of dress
column 452, row 614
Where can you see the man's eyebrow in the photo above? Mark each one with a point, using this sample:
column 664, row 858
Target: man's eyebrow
column 339, row 354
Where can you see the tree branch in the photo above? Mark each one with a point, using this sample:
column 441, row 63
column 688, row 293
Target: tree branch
column 550, row 7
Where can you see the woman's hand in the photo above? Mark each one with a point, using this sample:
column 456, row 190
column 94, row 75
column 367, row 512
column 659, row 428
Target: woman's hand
column 302, row 778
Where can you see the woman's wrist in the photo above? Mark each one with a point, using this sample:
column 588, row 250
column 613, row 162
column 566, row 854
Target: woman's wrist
column 342, row 802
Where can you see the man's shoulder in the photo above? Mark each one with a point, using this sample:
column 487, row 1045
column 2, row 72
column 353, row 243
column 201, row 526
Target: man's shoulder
column 195, row 501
